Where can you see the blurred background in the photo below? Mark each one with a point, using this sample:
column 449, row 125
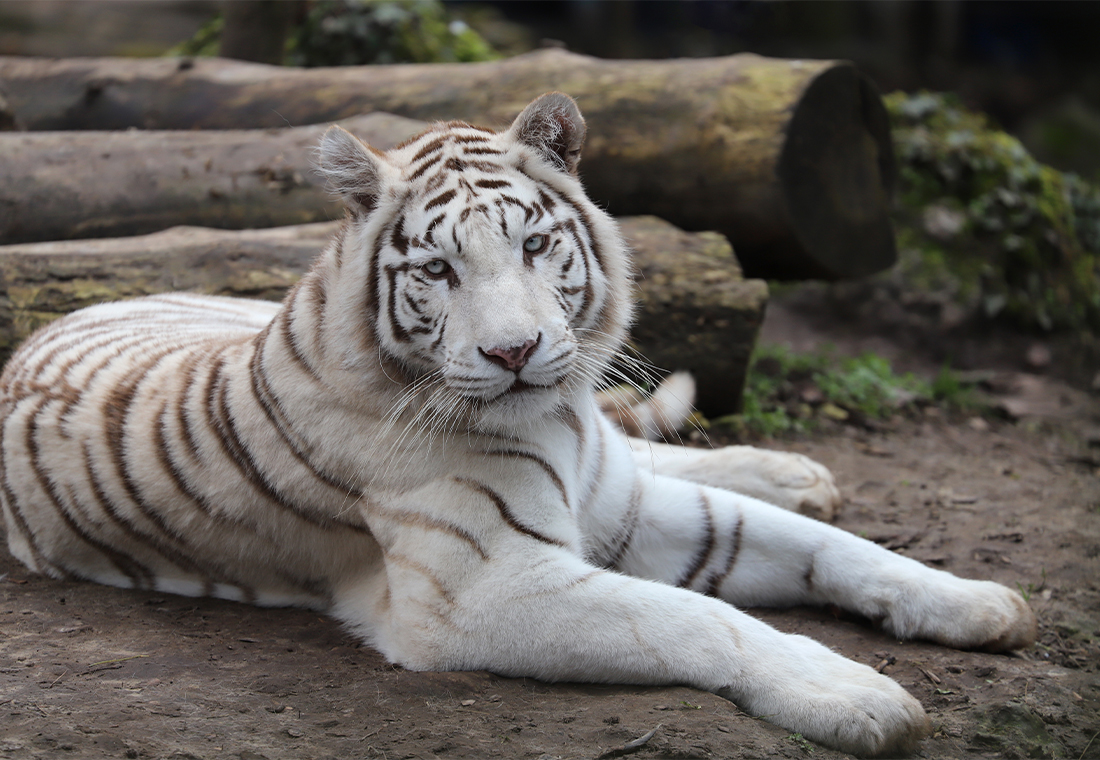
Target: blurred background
column 1031, row 65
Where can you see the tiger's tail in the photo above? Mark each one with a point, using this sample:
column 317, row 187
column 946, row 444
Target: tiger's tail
column 661, row 415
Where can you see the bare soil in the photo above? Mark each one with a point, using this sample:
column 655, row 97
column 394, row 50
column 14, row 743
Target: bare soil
column 89, row 671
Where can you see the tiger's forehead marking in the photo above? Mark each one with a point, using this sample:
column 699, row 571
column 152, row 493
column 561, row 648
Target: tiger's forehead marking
column 456, row 174
column 453, row 148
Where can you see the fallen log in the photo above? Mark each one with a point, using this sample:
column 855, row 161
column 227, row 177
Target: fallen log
column 696, row 313
column 65, row 185
column 790, row 159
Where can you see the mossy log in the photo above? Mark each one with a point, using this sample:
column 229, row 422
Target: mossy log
column 790, row 159
column 66, row 185
column 696, row 313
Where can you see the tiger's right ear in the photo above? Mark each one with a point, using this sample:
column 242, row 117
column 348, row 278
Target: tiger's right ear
column 351, row 168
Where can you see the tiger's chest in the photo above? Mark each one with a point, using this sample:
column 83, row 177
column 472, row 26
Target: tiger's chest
column 558, row 480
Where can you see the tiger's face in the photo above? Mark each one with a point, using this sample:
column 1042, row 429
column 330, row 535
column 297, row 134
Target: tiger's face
column 489, row 276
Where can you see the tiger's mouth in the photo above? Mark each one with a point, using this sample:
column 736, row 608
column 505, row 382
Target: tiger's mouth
column 520, row 387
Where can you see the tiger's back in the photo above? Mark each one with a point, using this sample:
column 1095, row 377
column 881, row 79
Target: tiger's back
column 131, row 458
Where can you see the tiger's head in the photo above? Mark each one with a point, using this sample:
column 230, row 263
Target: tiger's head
column 482, row 270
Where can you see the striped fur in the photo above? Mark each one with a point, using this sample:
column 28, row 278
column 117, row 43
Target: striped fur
column 411, row 443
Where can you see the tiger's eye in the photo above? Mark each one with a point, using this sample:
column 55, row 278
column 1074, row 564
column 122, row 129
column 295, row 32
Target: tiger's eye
column 536, row 243
column 437, row 267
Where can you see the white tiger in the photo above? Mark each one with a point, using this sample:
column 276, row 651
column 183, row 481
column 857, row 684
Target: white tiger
column 411, row 443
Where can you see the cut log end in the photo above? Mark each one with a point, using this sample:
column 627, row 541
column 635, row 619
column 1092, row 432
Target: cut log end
column 837, row 172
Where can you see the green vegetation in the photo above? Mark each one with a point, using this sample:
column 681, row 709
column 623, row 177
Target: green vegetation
column 801, row 742
column 787, row 392
column 205, row 41
column 983, row 221
column 351, row 32
column 354, row 32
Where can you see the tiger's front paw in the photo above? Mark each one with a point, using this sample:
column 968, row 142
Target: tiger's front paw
column 838, row 703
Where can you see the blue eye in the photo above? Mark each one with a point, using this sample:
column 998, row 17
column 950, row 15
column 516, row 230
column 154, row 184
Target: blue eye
column 437, row 267
column 536, row 243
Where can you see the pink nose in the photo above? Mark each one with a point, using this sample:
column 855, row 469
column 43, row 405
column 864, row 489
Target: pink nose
column 514, row 358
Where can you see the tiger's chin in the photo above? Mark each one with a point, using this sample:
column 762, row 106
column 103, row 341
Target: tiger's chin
column 519, row 405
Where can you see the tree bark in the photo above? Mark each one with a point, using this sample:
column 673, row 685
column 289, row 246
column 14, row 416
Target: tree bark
column 60, row 186
column 696, row 312
column 790, row 159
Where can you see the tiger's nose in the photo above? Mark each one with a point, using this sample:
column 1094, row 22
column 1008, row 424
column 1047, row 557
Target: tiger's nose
column 513, row 358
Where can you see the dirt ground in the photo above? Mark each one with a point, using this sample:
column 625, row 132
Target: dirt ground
column 89, row 671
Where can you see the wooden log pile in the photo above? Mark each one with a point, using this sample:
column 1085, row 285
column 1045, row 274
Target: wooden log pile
column 698, row 313
column 791, row 160
column 65, row 185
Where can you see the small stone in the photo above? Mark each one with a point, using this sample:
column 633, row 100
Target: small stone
column 1037, row 356
column 294, row 732
column 977, row 423
column 468, row 702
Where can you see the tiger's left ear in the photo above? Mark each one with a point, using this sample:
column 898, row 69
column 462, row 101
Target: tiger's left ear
column 552, row 124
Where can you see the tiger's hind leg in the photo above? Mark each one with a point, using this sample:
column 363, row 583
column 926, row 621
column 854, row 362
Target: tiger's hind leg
column 787, row 480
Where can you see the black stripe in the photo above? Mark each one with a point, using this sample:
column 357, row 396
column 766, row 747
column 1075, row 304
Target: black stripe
column 441, row 199
column 426, row 522
column 570, row 226
column 190, row 369
column 735, row 549
column 399, row 332
column 423, row 168
column 19, row 519
column 164, row 456
column 702, row 557
column 116, row 413
column 432, row 225
column 398, row 239
column 546, row 467
column 210, row 511
column 277, row 416
column 442, row 328
column 140, row 576
column 290, row 339
column 319, row 299
column 338, row 244
column 630, row 525
column 431, row 147
column 221, row 421
column 506, row 511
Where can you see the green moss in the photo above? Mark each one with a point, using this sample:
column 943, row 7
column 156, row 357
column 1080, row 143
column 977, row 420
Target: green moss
column 1024, row 240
